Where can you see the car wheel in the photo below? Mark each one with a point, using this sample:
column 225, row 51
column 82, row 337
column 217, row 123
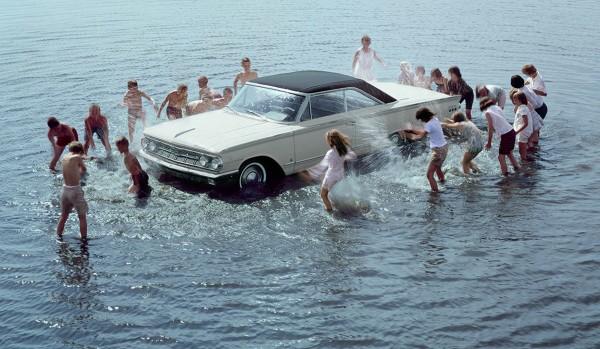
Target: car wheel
column 253, row 174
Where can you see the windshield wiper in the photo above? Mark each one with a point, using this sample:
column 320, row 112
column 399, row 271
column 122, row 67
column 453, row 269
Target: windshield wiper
column 257, row 114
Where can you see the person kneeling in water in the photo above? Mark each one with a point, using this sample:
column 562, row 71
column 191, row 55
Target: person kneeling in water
column 139, row 177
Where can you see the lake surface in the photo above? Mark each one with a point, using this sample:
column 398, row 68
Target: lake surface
column 490, row 262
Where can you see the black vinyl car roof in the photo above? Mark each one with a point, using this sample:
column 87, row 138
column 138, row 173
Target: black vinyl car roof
column 311, row 81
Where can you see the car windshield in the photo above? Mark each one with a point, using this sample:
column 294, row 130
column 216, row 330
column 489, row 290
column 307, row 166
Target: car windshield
column 267, row 103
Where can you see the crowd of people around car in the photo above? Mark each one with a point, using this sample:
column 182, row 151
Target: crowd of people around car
column 526, row 95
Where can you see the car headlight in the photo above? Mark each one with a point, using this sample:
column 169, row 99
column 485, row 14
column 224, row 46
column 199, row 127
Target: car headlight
column 203, row 161
column 151, row 145
column 215, row 163
column 145, row 143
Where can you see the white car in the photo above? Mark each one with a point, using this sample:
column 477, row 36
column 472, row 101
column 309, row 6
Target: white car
column 276, row 126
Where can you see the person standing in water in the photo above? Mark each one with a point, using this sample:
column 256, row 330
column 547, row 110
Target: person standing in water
column 440, row 81
column 64, row 135
column 96, row 123
column 473, row 138
column 133, row 101
column 458, row 86
column 245, row 75
column 496, row 121
column 437, row 143
column 72, row 194
column 406, row 76
column 177, row 100
column 362, row 64
column 332, row 165
column 493, row 91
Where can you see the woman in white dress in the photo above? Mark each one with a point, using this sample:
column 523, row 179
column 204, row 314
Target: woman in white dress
column 364, row 57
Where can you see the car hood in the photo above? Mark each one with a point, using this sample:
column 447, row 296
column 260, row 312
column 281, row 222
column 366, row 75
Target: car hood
column 215, row 131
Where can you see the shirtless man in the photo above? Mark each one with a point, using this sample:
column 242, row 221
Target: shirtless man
column 219, row 103
column 72, row 194
column 177, row 100
column 64, row 135
column 206, row 97
column 133, row 101
column 139, row 177
column 96, row 123
column 245, row 75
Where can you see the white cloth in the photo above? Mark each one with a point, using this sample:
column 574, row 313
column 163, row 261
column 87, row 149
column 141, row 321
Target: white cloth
column 333, row 166
column 535, row 100
column 538, row 122
column 537, row 83
column 523, row 136
column 406, row 77
column 436, row 135
column 364, row 67
column 501, row 125
column 496, row 92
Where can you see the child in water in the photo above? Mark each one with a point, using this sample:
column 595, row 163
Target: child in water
column 406, row 77
column 523, row 124
column 332, row 164
column 496, row 121
column 139, row 177
column 437, row 143
column 420, row 79
column 72, row 194
column 473, row 137
column 59, row 135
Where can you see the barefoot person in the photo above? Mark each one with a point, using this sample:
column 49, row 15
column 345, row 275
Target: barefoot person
column 139, row 177
column 133, row 101
column 496, row 121
column 64, row 135
column 437, row 143
column 474, row 139
column 332, row 165
column 72, row 194
column 245, row 75
column 96, row 123
column 177, row 100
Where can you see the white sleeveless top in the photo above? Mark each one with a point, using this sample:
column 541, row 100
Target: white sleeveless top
column 501, row 125
column 364, row 68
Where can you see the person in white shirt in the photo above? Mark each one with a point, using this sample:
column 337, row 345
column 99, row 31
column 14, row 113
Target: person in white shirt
column 437, row 143
column 497, row 123
column 420, row 79
column 523, row 124
column 534, row 80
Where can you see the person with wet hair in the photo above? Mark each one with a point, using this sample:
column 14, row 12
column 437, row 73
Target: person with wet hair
column 458, row 86
column 496, row 121
column 437, row 143
column 245, row 75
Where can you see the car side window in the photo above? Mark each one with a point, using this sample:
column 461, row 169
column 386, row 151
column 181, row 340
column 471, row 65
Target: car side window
column 356, row 100
column 327, row 104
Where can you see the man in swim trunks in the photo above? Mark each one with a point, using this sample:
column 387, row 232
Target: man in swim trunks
column 64, row 135
column 133, row 101
column 245, row 75
column 96, row 123
column 139, row 177
column 176, row 99
column 72, row 194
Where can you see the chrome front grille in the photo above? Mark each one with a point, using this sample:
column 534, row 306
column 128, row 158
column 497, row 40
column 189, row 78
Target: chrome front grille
column 177, row 155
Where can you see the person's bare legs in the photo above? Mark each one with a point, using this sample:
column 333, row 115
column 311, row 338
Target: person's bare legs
column 467, row 164
column 64, row 215
column 83, row 226
column 324, row 193
column 58, row 150
column 131, row 125
column 503, row 167
column 431, row 169
column 523, row 151
column 513, row 161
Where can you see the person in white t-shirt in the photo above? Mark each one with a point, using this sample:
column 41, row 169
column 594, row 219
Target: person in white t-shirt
column 523, row 124
column 496, row 122
column 437, row 143
column 534, row 80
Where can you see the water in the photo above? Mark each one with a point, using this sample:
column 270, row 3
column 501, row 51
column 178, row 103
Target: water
column 489, row 262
